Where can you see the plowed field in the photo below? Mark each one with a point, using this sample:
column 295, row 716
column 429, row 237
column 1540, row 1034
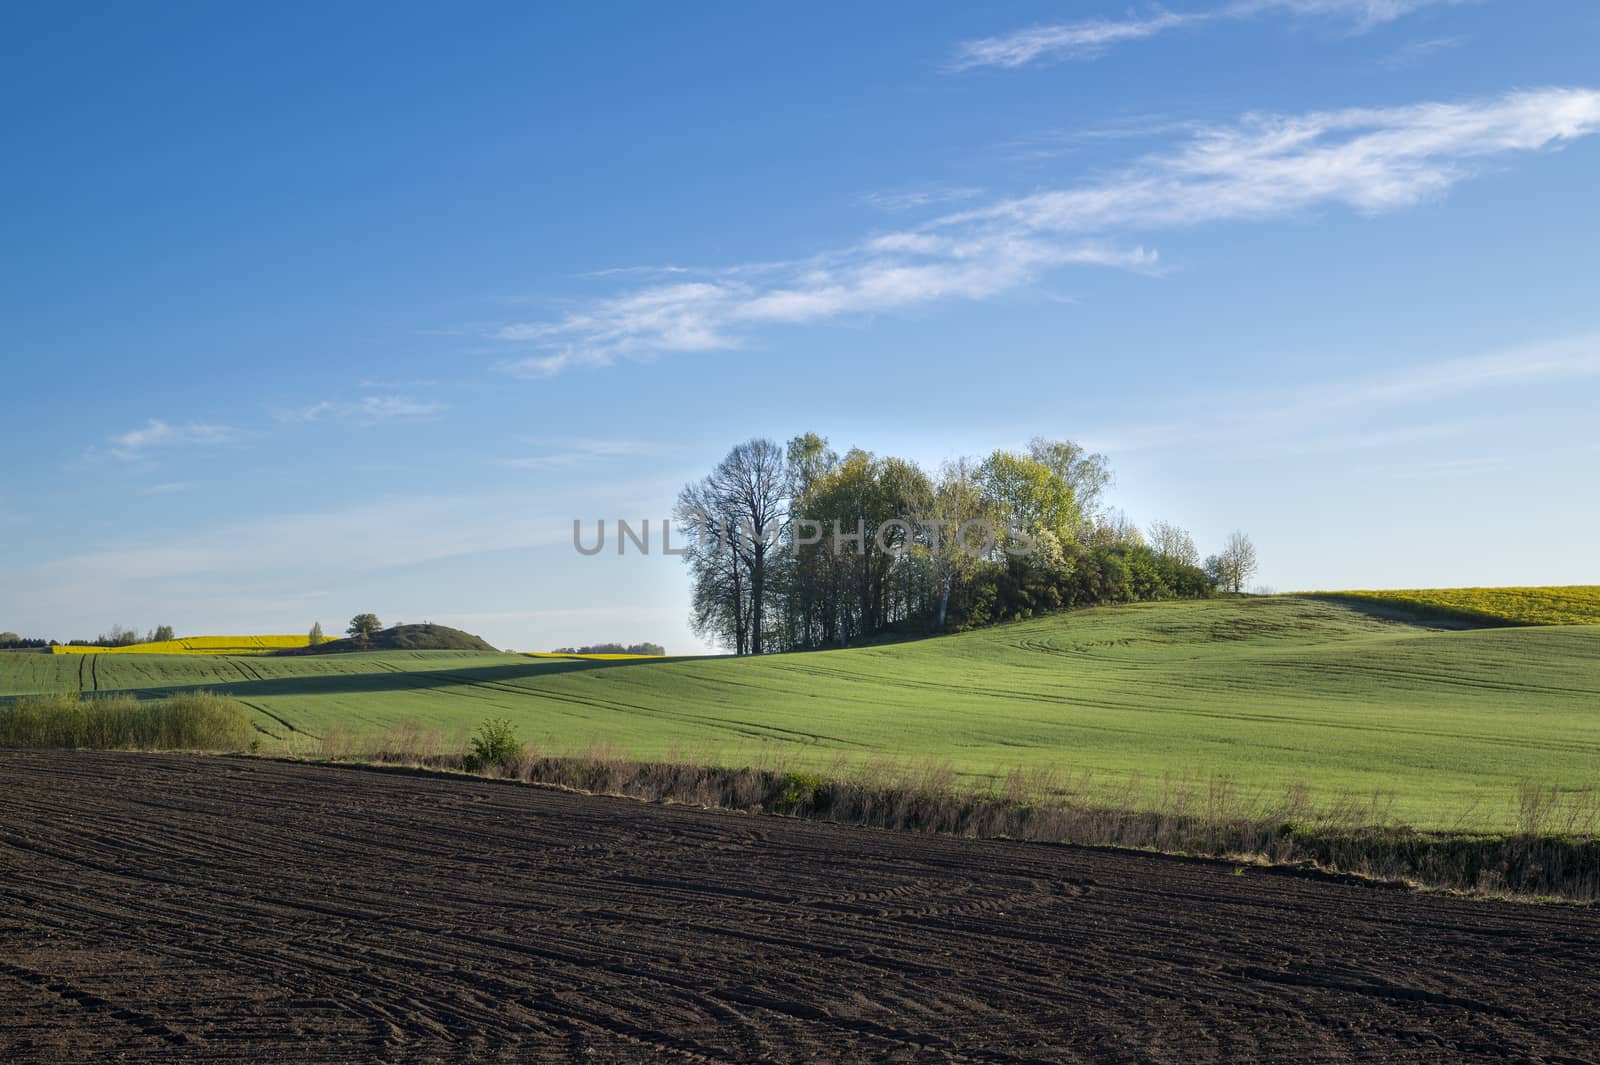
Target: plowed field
column 162, row 908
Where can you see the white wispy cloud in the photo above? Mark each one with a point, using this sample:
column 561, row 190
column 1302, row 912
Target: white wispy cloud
column 1418, row 51
column 367, row 409
column 922, row 196
column 155, row 433
column 1263, row 166
column 625, row 271
column 580, row 452
column 1068, row 40
column 1054, row 143
column 1373, row 159
column 884, row 273
column 1089, row 38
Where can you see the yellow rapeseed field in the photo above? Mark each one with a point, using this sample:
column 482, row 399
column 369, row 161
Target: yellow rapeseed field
column 197, row 645
column 589, row 658
column 1572, row 605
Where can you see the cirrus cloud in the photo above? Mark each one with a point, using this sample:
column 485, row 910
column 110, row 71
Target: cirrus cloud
column 367, row 410
column 1259, row 167
column 155, row 433
column 1089, row 38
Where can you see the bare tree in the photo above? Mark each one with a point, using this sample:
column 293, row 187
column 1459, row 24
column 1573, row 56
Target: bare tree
column 735, row 518
column 1114, row 528
column 751, row 485
column 720, row 594
column 1236, row 564
column 1170, row 541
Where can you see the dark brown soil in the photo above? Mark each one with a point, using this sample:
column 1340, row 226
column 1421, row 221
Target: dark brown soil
column 158, row 908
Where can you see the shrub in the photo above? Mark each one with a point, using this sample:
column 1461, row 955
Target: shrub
column 799, row 792
column 494, row 746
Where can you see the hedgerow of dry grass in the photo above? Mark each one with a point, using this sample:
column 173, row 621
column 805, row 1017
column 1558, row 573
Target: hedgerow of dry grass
column 1553, row 854
column 192, row 721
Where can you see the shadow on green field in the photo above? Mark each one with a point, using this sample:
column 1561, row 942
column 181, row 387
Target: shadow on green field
column 383, row 681
column 1415, row 614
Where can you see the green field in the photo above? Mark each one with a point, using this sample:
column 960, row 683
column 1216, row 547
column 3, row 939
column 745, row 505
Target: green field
column 1268, row 692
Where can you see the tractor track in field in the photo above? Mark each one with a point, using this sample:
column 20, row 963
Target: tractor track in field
column 164, row 908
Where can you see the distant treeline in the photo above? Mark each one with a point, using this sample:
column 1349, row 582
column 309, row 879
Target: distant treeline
column 613, row 649
column 117, row 637
column 797, row 546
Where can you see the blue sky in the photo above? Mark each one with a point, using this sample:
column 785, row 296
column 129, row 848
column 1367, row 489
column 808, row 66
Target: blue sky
column 312, row 310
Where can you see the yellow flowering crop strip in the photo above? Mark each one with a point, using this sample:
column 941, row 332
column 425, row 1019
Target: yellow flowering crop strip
column 589, row 658
column 1570, row 605
column 197, row 645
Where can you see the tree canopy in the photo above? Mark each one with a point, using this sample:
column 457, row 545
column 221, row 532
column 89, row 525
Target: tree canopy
column 799, row 546
column 364, row 627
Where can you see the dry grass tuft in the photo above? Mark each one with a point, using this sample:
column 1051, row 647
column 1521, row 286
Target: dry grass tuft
column 192, row 721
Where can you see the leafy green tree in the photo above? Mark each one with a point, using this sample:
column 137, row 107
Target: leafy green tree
column 316, row 636
column 804, row 566
column 1032, row 497
column 868, row 507
column 162, row 634
column 957, row 501
column 1086, row 473
column 364, row 627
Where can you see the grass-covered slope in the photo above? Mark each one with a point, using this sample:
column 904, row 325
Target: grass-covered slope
column 1271, row 692
column 1569, row 605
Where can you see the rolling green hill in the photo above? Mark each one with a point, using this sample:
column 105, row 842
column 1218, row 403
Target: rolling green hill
column 1270, row 692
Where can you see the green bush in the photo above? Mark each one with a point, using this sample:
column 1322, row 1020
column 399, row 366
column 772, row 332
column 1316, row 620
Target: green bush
column 493, row 746
column 193, row 721
column 798, row 791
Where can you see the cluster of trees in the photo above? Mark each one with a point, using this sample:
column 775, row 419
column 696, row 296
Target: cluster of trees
column 117, row 637
column 797, row 546
column 121, row 637
column 613, row 649
column 362, row 627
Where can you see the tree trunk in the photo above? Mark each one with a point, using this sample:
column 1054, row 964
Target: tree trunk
column 758, row 580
